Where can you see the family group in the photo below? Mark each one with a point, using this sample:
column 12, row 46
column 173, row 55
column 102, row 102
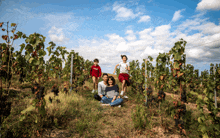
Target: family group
column 108, row 90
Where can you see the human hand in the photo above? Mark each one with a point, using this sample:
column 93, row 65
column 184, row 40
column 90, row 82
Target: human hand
column 126, row 67
column 36, row 92
column 112, row 100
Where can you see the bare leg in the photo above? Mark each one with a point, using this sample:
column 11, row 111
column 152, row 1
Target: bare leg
column 96, row 81
column 125, row 88
column 93, row 78
column 123, row 84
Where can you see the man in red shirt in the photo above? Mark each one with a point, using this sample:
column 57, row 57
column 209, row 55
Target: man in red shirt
column 96, row 73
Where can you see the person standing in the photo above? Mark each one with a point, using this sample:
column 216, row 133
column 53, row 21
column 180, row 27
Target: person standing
column 123, row 76
column 101, row 87
column 95, row 73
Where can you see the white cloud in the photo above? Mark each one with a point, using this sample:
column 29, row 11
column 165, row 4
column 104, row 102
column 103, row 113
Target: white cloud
column 150, row 1
column 177, row 15
column 144, row 18
column 114, row 38
column 208, row 28
column 145, row 34
column 195, row 53
column 149, row 51
column 152, row 41
column 56, row 35
column 122, row 47
column 131, row 36
column 107, row 7
column 123, row 13
column 162, row 30
column 208, row 5
column 19, row 15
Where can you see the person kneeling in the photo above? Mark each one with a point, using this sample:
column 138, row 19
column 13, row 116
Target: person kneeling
column 112, row 95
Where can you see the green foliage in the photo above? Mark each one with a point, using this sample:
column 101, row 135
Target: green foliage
column 207, row 129
column 140, row 118
column 81, row 69
column 33, row 65
column 137, row 77
column 82, row 126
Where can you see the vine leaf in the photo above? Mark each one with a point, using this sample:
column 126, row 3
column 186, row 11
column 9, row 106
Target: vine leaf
column 19, row 34
column 22, row 47
column 5, row 37
column 13, row 24
column 15, row 37
column 30, row 60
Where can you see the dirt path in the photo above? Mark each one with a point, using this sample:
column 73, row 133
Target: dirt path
column 117, row 121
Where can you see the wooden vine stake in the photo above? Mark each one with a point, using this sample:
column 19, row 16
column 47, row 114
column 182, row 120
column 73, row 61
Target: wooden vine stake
column 71, row 76
column 145, row 80
column 215, row 89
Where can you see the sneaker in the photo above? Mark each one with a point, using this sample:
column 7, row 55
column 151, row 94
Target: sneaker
column 105, row 104
column 119, row 106
column 93, row 91
column 125, row 96
column 122, row 92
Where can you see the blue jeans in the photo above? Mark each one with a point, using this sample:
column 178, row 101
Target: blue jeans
column 109, row 100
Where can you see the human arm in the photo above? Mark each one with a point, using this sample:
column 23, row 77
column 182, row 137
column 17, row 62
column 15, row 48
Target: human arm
column 100, row 90
column 113, row 98
column 127, row 67
column 115, row 68
column 106, row 92
column 91, row 71
column 100, row 72
column 116, row 94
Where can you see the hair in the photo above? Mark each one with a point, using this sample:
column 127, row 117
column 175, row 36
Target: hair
column 112, row 78
column 54, row 86
column 96, row 60
column 124, row 56
column 104, row 74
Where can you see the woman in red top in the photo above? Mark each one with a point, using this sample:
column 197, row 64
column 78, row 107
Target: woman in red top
column 96, row 73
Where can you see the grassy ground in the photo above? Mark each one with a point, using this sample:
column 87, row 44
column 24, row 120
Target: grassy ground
column 80, row 115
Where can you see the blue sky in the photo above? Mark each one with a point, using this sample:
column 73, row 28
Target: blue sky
column 106, row 29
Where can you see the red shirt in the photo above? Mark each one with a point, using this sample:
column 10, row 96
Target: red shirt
column 95, row 71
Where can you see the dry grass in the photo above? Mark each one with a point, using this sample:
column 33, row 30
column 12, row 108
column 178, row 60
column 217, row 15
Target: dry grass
column 82, row 111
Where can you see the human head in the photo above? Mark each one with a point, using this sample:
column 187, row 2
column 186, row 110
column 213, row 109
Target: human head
column 105, row 77
column 182, row 102
column 111, row 80
column 36, row 85
column 96, row 61
column 124, row 57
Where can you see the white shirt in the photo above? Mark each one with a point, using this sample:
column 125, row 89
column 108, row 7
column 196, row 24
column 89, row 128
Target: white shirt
column 101, row 88
column 122, row 66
